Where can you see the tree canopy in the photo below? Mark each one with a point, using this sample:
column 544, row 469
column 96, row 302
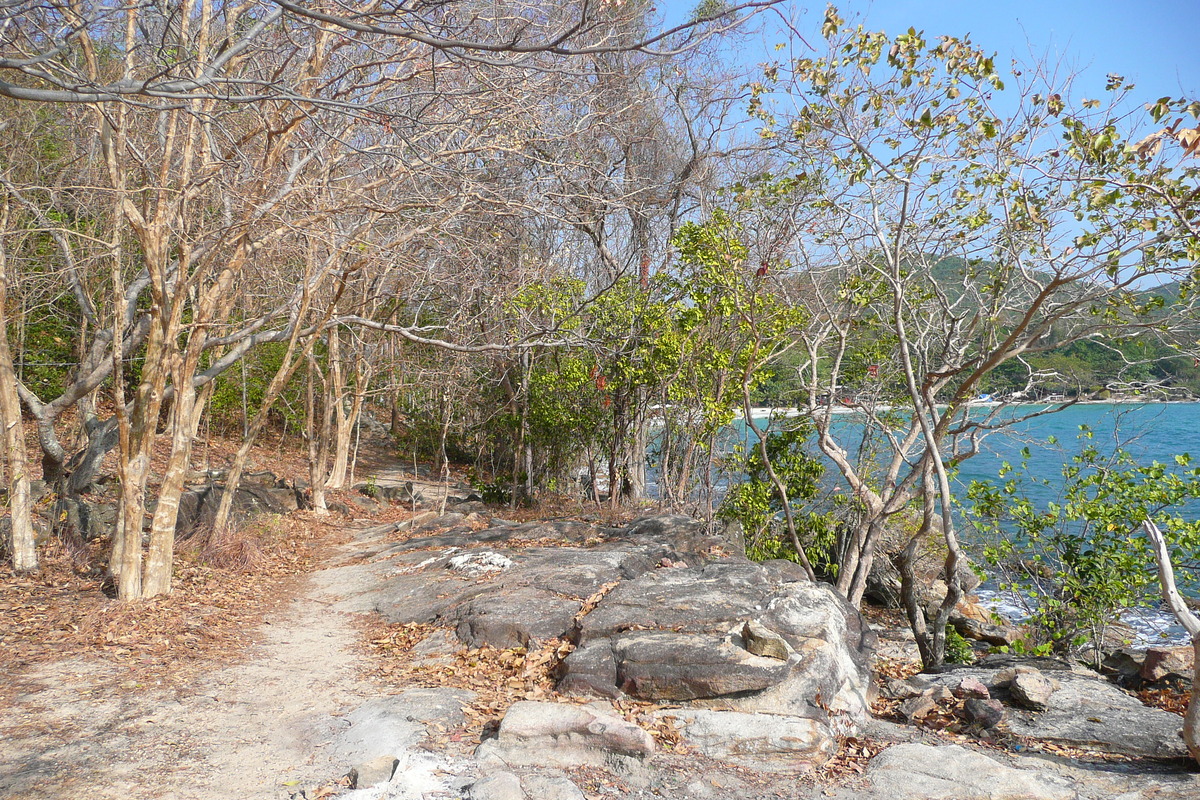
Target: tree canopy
column 557, row 241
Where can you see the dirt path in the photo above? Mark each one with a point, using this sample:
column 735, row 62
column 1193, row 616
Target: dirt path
column 254, row 729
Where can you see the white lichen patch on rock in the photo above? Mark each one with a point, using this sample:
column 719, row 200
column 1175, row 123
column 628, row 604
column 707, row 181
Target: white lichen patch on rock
column 474, row 564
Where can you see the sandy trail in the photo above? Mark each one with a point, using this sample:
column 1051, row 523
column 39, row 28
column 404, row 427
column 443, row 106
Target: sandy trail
column 254, row 729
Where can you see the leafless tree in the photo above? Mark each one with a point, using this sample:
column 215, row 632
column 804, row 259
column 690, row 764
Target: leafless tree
column 213, row 134
column 938, row 238
column 21, row 534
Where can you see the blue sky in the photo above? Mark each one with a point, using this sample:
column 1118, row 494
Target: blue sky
column 1153, row 43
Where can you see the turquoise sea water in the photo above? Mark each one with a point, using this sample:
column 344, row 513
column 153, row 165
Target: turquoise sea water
column 1149, row 432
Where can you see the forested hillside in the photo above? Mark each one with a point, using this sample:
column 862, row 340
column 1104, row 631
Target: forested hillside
column 530, row 238
column 1154, row 368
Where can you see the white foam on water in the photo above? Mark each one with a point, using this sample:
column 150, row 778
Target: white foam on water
column 1152, row 626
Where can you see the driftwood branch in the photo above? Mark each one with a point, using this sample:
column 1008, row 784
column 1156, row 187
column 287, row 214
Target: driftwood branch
column 1166, row 577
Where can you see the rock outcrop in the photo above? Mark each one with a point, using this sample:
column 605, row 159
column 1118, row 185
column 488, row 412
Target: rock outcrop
column 258, row 493
column 757, row 668
column 758, row 741
column 659, row 611
column 1051, row 701
column 564, row 735
column 678, row 635
column 925, row 772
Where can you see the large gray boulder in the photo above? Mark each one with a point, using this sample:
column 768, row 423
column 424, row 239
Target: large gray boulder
column 1032, row 690
column 1090, row 712
column 564, row 735
column 198, row 506
column 677, row 634
column 89, row 520
column 497, row 786
column 509, row 597
column 711, row 599
column 387, row 726
column 759, row 741
column 1083, row 710
column 423, row 493
column 420, row 597
column 1169, row 663
column 678, row 666
column 533, row 597
column 687, row 536
column 513, row 618
column 508, row 786
column 925, row 772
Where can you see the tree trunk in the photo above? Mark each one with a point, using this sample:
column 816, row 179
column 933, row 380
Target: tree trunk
column 137, row 432
column 186, row 412
column 518, row 457
column 780, row 487
column 931, row 646
column 323, row 440
column 81, row 470
column 910, row 597
column 853, row 574
column 866, row 559
column 318, row 434
column 1191, row 718
column 54, row 457
column 394, row 395
column 614, row 453
column 22, row 541
column 634, row 485
column 341, row 423
column 851, row 551
column 364, row 372
column 356, row 408
column 524, row 445
column 443, row 458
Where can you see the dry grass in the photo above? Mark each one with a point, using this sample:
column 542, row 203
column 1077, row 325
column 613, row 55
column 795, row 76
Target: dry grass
column 241, row 549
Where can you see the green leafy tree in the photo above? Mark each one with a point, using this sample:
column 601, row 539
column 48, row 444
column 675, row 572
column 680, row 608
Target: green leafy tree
column 685, row 341
column 757, row 506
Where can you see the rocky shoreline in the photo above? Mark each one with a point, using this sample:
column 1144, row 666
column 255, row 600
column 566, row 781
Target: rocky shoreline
column 574, row 658
column 763, row 680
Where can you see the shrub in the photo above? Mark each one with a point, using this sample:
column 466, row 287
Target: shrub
column 1081, row 559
